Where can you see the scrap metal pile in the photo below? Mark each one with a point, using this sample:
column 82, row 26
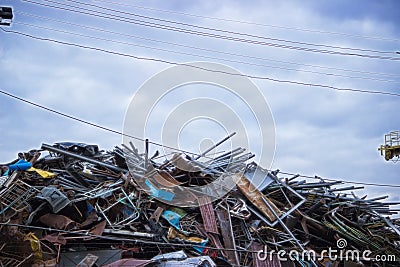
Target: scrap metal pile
column 71, row 204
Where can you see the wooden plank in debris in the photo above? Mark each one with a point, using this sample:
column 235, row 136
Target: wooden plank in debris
column 208, row 215
column 255, row 197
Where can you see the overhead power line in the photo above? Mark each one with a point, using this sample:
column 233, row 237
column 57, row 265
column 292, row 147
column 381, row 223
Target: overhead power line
column 158, row 41
column 201, row 56
column 221, row 30
column 59, row 113
column 379, row 38
column 62, row 114
column 115, row 17
column 201, row 68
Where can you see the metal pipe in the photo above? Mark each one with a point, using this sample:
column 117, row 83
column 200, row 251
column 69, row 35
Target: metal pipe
column 315, row 185
column 87, row 159
column 146, row 155
column 346, row 188
column 214, row 146
column 227, row 154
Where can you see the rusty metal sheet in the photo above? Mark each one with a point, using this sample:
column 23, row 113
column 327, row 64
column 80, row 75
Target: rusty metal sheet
column 228, row 236
column 217, row 243
column 98, row 229
column 156, row 215
column 257, row 262
column 57, row 221
column 91, row 218
column 208, row 215
column 256, row 197
column 165, row 179
column 271, row 260
column 214, row 239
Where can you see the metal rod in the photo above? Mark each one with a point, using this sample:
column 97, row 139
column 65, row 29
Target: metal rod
column 286, row 228
column 346, row 188
column 146, row 155
column 87, row 159
column 214, row 146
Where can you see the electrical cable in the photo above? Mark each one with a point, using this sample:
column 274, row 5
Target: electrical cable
column 200, row 68
column 197, row 55
column 379, row 38
column 200, row 48
column 223, row 31
column 211, row 35
column 90, row 123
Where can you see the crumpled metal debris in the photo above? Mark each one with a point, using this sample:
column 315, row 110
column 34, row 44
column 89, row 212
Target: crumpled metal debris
column 74, row 201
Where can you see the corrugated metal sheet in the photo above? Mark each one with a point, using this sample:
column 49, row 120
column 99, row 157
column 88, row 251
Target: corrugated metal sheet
column 208, row 215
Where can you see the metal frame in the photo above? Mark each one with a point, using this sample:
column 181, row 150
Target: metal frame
column 118, row 224
column 16, row 196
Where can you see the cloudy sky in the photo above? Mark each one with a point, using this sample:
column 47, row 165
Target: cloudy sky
column 318, row 131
